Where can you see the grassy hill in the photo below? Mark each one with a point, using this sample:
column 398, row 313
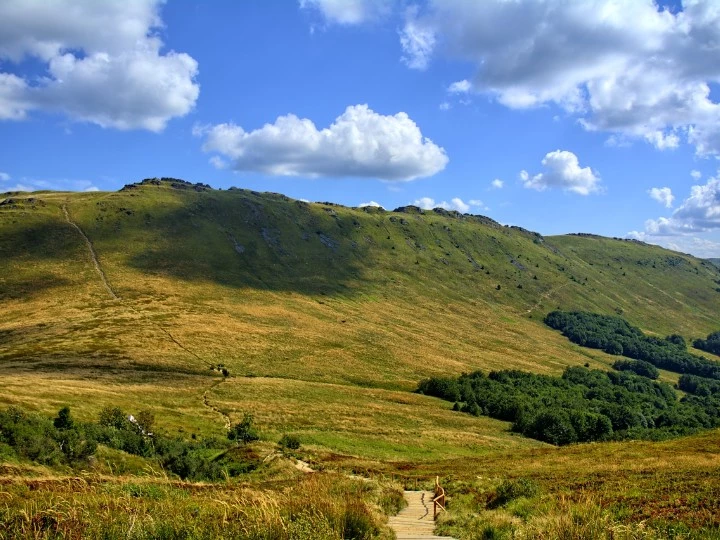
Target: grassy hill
column 326, row 317
column 305, row 303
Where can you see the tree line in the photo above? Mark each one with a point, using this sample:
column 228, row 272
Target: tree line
column 711, row 344
column 583, row 405
column 65, row 441
column 616, row 336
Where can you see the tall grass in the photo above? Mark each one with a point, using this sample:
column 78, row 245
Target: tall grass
column 317, row 506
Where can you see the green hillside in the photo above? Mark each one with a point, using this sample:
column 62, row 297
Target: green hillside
column 324, row 319
column 333, row 301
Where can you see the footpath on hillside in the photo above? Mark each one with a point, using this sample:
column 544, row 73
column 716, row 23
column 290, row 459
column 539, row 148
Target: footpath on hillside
column 416, row 520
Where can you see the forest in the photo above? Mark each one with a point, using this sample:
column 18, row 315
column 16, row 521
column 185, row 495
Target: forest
column 592, row 405
column 711, row 344
column 582, row 405
column 615, row 335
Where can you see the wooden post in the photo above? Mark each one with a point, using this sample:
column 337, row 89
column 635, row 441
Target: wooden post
column 439, row 498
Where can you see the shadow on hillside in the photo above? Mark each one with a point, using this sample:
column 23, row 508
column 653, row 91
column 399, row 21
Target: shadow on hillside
column 16, row 287
column 261, row 244
column 47, row 240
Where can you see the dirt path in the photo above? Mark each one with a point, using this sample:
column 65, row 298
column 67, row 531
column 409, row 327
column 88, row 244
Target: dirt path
column 416, row 520
column 206, row 402
column 93, row 254
column 106, row 284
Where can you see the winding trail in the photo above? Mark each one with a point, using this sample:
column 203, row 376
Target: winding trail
column 206, row 402
column 415, row 521
column 93, row 253
column 114, row 295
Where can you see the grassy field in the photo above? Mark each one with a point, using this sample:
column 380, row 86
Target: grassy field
column 326, row 318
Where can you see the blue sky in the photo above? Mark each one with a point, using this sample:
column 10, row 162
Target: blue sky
column 587, row 116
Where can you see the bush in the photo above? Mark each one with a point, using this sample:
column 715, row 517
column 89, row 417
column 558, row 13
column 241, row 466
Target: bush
column 244, row 431
column 290, row 442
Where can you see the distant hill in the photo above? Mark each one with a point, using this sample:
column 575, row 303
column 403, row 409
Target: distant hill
column 716, row 262
column 302, row 303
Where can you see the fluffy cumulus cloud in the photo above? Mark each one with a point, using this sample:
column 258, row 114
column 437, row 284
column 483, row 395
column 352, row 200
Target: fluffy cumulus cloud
column 628, row 68
column 360, row 143
column 348, row 12
column 91, row 50
column 371, row 203
column 497, row 184
column 699, row 214
column 562, row 170
column 456, row 203
column 662, row 195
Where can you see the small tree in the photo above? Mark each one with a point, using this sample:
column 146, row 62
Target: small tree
column 244, row 431
column 113, row 417
column 63, row 419
column 145, row 421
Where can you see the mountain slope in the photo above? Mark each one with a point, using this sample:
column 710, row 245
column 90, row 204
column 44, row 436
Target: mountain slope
column 332, row 301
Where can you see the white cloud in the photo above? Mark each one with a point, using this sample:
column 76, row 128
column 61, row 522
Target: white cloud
column 628, row 68
column 699, row 213
column 477, row 203
column 663, row 141
column 417, row 41
column 700, row 247
column 371, row 203
column 426, row 203
column 456, row 203
column 349, row 12
column 444, row 106
column 662, row 195
column 33, row 184
column 460, row 87
column 17, row 187
column 562, row 169
column 103, row 63
column 697, row 175
column 497, row 184
column 4, row 177
column 360, row 143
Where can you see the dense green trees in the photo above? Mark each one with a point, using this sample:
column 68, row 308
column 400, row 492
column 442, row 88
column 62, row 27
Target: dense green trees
column 711, row 344
column 640, row 367
column 582, row 405
column 45, row 441
column 615, row 336
column 65, row 441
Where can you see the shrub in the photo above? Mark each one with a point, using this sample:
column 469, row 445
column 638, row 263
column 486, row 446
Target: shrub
column 113, row 417
column 290, row 442
column 244, row 431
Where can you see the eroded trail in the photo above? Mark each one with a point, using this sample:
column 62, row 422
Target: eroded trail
column 206, row 402
column 114, row 295
column 416, row 521
column 93, row 254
